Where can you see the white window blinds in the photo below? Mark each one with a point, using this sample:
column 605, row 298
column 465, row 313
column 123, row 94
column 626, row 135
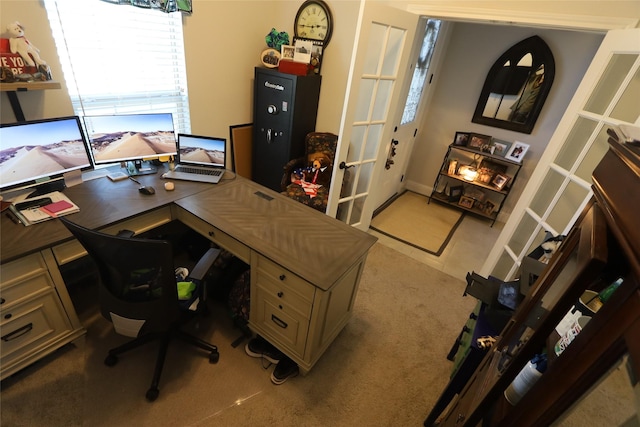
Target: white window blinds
column 121, row 60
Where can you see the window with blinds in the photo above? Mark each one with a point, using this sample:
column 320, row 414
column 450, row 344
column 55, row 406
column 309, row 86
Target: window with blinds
column 121, row 59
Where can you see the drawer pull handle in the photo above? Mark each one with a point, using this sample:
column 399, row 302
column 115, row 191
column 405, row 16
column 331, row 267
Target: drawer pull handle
column 18, row 332
column 8, row 316
column 278, row 321
column 282, row 277
column 212, row 234
column 280, row 294
column 2, row 300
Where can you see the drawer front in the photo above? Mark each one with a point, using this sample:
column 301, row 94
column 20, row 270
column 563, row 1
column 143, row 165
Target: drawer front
column 289, row 328
column 30, row 326
column 284, row 296
column 287, row 280
column 70, row 251
column 215, row 235
column 23, row 278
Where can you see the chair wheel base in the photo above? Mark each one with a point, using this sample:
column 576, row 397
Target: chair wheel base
column 214, row 357
column 152, row 394
column 111, row 360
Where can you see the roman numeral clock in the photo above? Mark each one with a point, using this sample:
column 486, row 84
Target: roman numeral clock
column 314, row 23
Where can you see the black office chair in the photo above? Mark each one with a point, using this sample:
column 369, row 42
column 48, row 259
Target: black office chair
column 139, row 295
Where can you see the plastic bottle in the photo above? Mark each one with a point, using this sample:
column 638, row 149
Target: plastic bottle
column 606, row 293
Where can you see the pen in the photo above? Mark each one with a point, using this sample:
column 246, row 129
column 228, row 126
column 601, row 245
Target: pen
column 134, row 180
column 13, row 218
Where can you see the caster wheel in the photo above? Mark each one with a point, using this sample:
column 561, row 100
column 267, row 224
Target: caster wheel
column 214, row 356
column 152, row 394
column 111, row 360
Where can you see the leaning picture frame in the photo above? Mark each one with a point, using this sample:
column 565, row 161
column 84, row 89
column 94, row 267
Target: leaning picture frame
column 478, row 141
column 455, row 192
column 501, row 148
column 500, row 181
column 461, row 139
column 517, row 151
column 466, row 202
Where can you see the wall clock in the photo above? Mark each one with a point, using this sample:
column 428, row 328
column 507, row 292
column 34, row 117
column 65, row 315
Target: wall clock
column 314, row 22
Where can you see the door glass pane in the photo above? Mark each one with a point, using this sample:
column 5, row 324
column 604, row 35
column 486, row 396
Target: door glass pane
column 364, row 100
column 522, row 234
column 565, row 208
column 348, row 180
column 357, row 141
column 357, row 209
column 343, row 211
column 594, row 155
column 392, row 52
column 421, row 70
column 628, row 107
column 616, row 71
column 372, row 57
column 575, row 142
column 540, row 237
column 503, row 267
column 547, row 191
column 373, row 142
column 366, row 172
column 383, row 97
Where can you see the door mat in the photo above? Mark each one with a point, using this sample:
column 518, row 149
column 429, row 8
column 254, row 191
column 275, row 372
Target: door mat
column 412, row 220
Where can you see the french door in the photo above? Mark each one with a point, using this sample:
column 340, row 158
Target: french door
column 376, row 80
column 560, row 186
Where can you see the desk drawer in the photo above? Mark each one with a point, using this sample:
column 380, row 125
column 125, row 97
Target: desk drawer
column 288, row 327
column 215, row 235
column 70, row 251
column 289, row 281
column 23, row 278
column 31, row 327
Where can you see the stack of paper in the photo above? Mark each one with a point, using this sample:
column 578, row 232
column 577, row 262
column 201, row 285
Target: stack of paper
column 60, row 205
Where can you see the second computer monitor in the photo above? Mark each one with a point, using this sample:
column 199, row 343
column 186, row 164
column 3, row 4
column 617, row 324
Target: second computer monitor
column 131, row 138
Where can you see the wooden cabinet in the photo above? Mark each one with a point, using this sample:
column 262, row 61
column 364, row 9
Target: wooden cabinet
column 37, row 315
column 602, row 247
column 473, row 181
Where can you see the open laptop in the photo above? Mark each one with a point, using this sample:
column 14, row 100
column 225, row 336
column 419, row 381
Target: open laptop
column 200, row 158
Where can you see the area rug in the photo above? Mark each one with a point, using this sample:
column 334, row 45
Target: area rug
column 412, row 220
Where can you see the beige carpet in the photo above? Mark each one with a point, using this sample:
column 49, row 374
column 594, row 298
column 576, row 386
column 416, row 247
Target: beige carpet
column 411, row 220
column 386, row 368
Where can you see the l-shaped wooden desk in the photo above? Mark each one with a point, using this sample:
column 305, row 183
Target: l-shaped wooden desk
column 305, row 266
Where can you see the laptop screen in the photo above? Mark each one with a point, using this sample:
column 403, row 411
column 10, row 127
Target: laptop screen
column 201, row 150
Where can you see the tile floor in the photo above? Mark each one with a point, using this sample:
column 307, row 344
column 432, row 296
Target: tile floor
column 465, row 252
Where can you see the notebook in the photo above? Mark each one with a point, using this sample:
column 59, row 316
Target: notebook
column 200, row 158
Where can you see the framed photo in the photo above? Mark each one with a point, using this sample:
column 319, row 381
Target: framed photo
column 500, row 148
column 466, row 202
column 499, row 181
column 488, row 207
column 287, row 51
column 477, row 141
column 461, row 139
column 455, row 192
column 302, row 51
column 517, row 151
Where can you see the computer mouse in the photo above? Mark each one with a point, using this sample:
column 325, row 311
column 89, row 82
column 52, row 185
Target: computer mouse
column 147, row 190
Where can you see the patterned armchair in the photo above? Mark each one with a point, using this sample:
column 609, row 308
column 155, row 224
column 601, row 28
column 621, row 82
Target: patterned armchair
column 299, row 178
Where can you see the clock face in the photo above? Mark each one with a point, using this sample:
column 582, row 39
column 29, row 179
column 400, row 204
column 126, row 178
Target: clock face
column 314, row 21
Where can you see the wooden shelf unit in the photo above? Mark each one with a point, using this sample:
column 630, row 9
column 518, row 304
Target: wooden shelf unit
column 12, row 88
column 470, row 156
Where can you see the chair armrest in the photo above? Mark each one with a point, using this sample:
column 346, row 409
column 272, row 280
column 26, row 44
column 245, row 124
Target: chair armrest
column 204, row 264
column 126, row 233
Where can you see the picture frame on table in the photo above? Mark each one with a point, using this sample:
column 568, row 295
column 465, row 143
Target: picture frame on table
column 501, row 148
column 287, row 52
column 488, row 207
column 461, row 139
column 466, row 202
column 477, row 141
column 517, row 151
column 500, row 181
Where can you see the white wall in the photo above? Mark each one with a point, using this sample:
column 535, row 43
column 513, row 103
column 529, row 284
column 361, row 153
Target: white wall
column 471, row 52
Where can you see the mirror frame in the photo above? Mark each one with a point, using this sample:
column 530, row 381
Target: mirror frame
column 541, row 55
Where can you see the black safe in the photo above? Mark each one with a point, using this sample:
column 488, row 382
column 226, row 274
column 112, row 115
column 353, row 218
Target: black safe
column 284, row 112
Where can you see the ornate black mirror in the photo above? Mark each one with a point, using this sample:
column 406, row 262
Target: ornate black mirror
column 516, row 87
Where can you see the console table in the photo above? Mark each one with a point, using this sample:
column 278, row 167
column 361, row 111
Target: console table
column 305, row 266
